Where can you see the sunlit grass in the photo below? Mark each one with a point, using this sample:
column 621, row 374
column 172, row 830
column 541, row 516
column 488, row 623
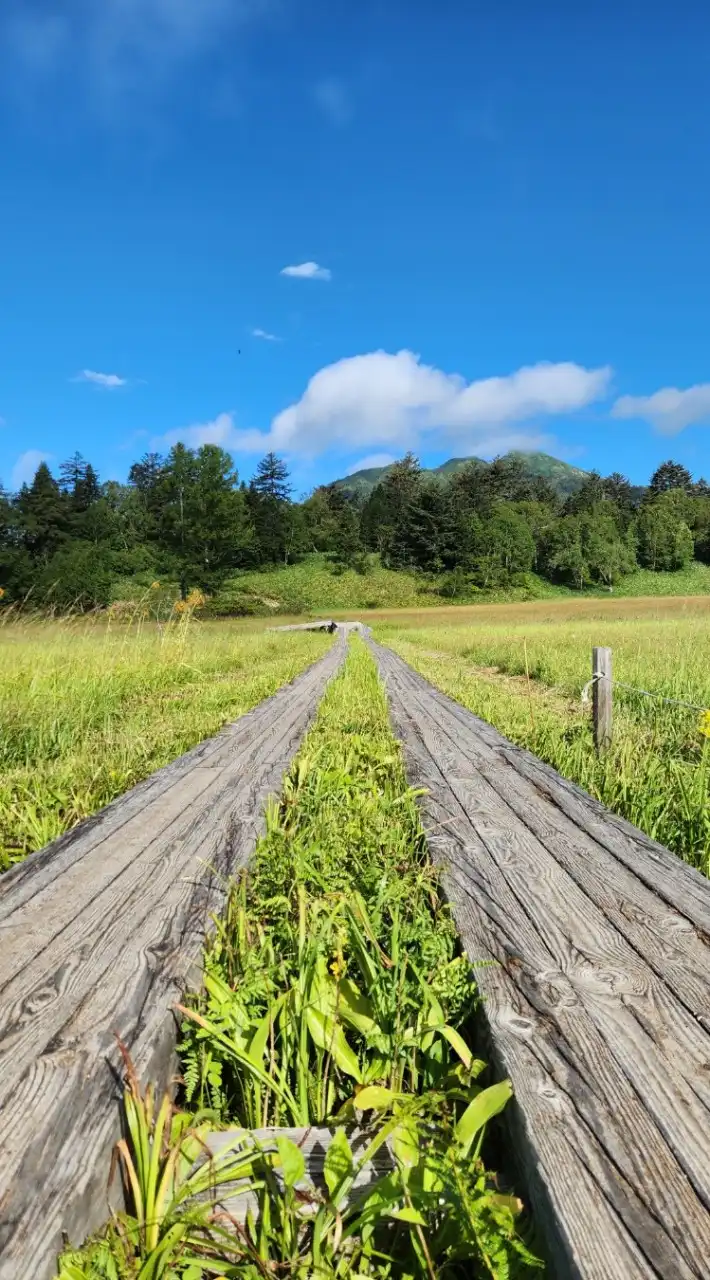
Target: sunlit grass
column 88, row 709
column 658, row 770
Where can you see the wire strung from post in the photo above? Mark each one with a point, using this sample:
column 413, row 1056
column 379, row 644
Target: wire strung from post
column 647, row 693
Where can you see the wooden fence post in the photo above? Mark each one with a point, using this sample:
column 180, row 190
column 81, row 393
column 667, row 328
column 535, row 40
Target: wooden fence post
column 601, row 698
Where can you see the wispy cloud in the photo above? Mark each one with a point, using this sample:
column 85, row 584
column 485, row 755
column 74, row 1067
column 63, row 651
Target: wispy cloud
column 372, row 460
column 26, row 465
column 119, row 46
column 219, row 430
column 265, row 335
column 109, row 381
column 307, row 271
column 668, row 410
column 334, row 100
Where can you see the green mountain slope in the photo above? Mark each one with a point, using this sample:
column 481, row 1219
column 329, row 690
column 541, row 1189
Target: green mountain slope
column 563, row 477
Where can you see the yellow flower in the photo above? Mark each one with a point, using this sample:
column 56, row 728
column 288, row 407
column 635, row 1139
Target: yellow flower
column 704, row 724
column 337, row 968
column 2, row 592
column 155, row 586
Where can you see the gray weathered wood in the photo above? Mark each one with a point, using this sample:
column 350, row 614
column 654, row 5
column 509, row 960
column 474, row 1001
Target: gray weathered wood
column 321, row 625
column 102, row 932
column 596, row 1004
column 236, row 1200
column 601, row 698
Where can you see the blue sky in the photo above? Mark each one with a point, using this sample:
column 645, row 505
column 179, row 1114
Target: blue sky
column 497, row 216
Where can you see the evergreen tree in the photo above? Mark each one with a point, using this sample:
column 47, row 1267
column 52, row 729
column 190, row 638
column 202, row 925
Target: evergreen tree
column 272, row 479
column 79, row 481
column 670, row 475
column 401, row 489
column 270, row 508
column 43, row 512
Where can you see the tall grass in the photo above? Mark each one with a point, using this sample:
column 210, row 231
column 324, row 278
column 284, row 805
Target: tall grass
column 89, row 708
column 658, row 770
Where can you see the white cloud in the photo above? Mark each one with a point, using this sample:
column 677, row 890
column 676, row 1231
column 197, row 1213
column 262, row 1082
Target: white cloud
column 219, row 431
column 384, row 399
column 669, row 410
column 307, row 271
column 25, row 467
column 372, row 460
column 334, row 100
column 265, row 335
column 395, row 401
column 110, row 381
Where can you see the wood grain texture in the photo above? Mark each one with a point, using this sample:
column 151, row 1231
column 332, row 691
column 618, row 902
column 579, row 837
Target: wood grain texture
column 599, row 998
column 236, row 1200
column 102, row 932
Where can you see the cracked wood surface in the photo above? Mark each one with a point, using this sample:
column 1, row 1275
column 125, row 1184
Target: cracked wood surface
column 598, row 1005
column 101, row 932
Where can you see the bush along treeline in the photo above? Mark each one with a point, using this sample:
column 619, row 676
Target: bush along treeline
column 187, row 517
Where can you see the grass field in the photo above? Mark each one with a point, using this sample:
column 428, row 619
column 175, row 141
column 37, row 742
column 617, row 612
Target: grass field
column 658, row 770
column 87, row 709
column 313, row 587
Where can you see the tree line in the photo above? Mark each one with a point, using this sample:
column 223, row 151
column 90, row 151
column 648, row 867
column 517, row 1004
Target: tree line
column 68, row 537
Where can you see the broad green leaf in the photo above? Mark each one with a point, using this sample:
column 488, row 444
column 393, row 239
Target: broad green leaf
column 458, row 1044
column 405, row 1143
column 329, row 1036
column 338, row 1164
column 374, row 1097
column 355, row 1008
column 260, row 1038
column 488, row 1104
column 293, row 1164
column 409, row 1214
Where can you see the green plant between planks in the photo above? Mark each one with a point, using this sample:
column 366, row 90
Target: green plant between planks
column 334, row 994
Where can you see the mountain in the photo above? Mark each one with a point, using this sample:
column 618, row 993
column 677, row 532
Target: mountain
column 564, row 478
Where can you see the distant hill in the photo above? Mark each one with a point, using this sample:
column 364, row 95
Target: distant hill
column 564, row 478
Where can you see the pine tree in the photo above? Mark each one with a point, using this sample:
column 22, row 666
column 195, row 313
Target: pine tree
column 670, row 475
column 270, row 508
column 271, row 479
column 44, row 513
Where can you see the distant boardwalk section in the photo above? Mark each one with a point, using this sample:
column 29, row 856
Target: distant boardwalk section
column 598, row 1003
column 102, row 932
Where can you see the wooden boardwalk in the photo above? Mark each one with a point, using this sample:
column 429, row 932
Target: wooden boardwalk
column 598, row 1007
column 101, row 932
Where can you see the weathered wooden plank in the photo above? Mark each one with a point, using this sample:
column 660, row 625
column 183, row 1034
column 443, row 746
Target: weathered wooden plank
column 675, row 882
column 101, row 933
column 236, row 1200
column 321, row 625
column 609, row 1065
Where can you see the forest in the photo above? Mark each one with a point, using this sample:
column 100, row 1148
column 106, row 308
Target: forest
column 70, row 541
